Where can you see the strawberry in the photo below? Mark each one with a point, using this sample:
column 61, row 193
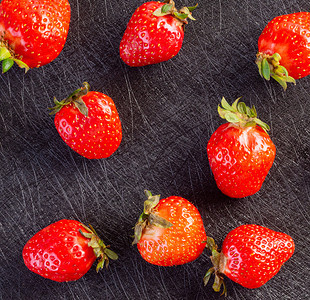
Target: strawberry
column 240, row 152
column 169, row 231
column 65, row 251
column 89, row 123
column 251, row 255
column 284, row 48
column 32, row 32
column 154, row 33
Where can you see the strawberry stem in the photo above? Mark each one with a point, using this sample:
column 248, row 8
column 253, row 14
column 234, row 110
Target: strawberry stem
column 8, row 58
column 100, row 249
column 75, row 98
column 269, row 66
column 240, row 114
column 217, row 261
column 169, row 9
column 148, row 217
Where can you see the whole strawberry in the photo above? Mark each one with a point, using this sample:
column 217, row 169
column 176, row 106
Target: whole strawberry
column 32, row 32
column 240, row 152
column 65, row 251
column 154, row 33
column 283, row 48
column 89, row 123
column 251, row 255
column 169, row 231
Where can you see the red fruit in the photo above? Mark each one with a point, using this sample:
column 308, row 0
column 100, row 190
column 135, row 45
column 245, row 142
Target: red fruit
column 89, row 123
column 170, row 231
column 240, row 152
column 32, row 32
column 251, row 255
column 65, row 251
column 284, row 48
column 154, row 33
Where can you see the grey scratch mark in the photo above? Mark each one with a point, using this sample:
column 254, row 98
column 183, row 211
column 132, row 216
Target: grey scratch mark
column 5, row 81
column 142, row 289
column 131, row 97
column 236, row 222
column 220, row 16
column 122, row 286
column 4, row 258
column 300, row 206
column 84, row 287
column 163, row 284
column 4, row 124
column 62, row 191
column 109, row 290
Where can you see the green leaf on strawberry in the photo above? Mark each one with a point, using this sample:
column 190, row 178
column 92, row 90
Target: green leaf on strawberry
column 241, row 114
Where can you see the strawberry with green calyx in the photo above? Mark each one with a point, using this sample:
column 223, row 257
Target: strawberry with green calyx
column 240, row 152
column 65, row 251
column 32, row 32
column 170, row 231
column 251, row 255
column 88, row 122
column 154, row 33
column 283, row 48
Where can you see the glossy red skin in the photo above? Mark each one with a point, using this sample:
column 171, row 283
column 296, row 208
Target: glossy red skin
column 149, row 39
column 240, row 159
column 96, row 136
column 254, row 254
column 289, row 35
column 179, row 244
column 35, row 30
column 59, row 252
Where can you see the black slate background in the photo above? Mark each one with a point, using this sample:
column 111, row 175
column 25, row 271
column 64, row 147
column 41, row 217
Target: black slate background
column 168, row 114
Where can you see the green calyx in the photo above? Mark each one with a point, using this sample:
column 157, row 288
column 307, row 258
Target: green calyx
column 240, row 114
column 75, row 98
column 269, row 66
column 7, row 58
column 100, row 249
column 169, row 9
column 148, row 217
column 217, row 261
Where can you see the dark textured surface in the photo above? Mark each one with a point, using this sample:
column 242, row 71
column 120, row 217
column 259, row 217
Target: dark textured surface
column 168, row 113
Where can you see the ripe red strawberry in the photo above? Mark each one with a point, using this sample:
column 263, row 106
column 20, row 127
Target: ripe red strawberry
column 32, row 32
column 169, row 231
column 65, row 251
column 240, row 152
column 284, row 48
column 154, row 33
column 251, row 255
column 89, row 123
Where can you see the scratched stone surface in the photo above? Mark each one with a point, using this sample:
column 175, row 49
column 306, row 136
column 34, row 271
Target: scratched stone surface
column 168, row 113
